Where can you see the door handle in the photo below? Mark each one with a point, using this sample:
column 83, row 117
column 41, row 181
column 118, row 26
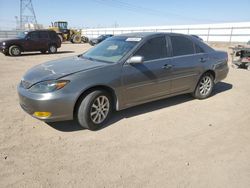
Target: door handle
column 203, row 60
column 167, row 66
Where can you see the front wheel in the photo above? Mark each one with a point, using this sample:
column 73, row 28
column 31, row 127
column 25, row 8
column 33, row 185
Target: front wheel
column 52, row 49
column 204, row 87
column 94, row 110
column 14, row 50
column 76, row 38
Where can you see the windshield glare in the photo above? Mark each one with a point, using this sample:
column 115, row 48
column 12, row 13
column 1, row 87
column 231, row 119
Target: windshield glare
column 22, row 34
column 111, row 50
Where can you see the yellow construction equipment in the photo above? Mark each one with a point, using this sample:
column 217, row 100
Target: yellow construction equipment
column 65, row 34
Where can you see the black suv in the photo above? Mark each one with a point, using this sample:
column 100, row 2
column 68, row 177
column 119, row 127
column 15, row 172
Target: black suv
column 99, row 39
column 27, row 41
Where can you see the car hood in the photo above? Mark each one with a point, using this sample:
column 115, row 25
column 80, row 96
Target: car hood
column 53, row 70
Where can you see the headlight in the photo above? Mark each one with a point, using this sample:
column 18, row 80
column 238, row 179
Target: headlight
column 48, row 86
column 4, row 43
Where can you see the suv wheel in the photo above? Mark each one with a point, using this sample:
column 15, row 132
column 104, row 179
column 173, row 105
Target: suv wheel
column 94, row 110
column 14, row 50
column 204, row 87
column 52, row 49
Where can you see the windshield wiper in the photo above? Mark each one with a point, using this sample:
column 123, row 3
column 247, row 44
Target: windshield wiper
column 93, row 59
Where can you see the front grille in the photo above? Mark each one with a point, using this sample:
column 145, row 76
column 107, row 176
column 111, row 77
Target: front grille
column 25, row 84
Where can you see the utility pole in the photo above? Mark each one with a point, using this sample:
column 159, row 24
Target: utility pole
column 27, row 13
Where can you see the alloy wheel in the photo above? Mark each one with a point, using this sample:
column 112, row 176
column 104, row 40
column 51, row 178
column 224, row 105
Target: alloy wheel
column 99, row 109
column 15, row 51
column 205, row 85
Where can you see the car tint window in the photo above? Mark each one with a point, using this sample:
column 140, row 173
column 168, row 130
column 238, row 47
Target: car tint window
column 182, row 46
column 153, row 49
column 198, row 49
column 34, row 35
column 44, row 35
column 52, row 35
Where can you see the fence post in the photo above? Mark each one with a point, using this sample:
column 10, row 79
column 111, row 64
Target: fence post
column 230, row 40
column 208, row 34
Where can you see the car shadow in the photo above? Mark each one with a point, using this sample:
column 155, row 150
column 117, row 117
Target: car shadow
column 39, row 53
column 70, row 126
column 221, row 87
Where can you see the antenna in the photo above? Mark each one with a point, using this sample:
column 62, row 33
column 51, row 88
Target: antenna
column 27, row 13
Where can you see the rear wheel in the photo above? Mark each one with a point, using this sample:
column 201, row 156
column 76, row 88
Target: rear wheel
column 204, row 87
column 52, row 49
column 14, row 50
column 61, row 38
column 76, row 38
column 84, row 39
column 94, row 110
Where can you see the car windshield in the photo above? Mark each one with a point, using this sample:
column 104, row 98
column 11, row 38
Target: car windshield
column 112, row 49
column 22, row 34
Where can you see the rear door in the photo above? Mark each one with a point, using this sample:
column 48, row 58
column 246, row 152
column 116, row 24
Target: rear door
column 33, row 42
column 150, row 79
column 44, row 40
column 186, row 64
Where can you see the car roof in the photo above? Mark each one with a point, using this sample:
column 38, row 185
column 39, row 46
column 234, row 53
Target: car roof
column 37, row 30
column 149, row 34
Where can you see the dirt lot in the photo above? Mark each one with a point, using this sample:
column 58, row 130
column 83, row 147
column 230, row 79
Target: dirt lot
column 177, row 142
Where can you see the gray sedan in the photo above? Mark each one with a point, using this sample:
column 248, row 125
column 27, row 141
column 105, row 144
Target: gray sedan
column 121, row 72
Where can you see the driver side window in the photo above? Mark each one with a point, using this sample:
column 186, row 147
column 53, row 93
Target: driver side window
column 153, row 49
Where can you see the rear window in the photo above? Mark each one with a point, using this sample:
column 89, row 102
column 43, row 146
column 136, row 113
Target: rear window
column 198, row 49
column 153, row 49
column 182, row 46
column 52, row 35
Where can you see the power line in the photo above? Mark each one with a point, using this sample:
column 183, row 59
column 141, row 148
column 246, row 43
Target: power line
column 145, row 10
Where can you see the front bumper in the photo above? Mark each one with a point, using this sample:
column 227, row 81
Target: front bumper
column 3, row 49
column 58, row 103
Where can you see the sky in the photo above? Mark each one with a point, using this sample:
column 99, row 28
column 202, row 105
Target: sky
column 125, row 13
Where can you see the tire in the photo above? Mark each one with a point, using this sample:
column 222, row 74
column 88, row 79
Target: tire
column 92, row 116
column 15, row 50
column 43, row 51
column 61, row 38
column 52, row 49
column 76, row 38
column 84, row 39
column 204, row 87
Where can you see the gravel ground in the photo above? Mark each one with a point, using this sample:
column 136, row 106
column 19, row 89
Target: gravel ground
column 176, row 142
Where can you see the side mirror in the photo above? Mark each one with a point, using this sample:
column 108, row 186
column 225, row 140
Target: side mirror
column 135, row 60
column 28, row 38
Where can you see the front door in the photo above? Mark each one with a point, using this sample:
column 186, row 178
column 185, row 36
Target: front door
column 150, row 79
column 33, row 42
